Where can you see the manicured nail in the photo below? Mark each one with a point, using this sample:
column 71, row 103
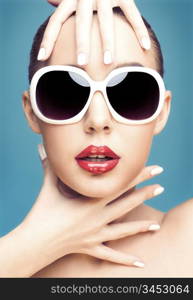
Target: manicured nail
column 107, row 57
column 81, row 59
column 145, row 42
column 158, row 191
column 156, row 171
column 138, row 264
column 41, row 54
column 42, row 151
column 154, row 227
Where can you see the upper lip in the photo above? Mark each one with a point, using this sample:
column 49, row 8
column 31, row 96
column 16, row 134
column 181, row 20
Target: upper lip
column 97, row 150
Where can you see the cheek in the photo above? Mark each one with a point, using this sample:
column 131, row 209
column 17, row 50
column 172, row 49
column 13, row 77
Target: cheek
column 59, row 144
column 137, row 148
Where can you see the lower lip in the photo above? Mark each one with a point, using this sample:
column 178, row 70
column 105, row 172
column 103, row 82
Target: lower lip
column 98, row 167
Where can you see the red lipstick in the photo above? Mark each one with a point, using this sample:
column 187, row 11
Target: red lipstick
column 97, row 160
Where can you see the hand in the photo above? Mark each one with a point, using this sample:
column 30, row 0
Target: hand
column 70, row 223
column 84, row 13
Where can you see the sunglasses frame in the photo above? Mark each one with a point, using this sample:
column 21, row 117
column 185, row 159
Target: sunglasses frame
column 94, row 87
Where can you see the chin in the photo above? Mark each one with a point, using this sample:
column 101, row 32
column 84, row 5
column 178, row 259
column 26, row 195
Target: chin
column 95, row 194
column 97, row 190
column 90, row 190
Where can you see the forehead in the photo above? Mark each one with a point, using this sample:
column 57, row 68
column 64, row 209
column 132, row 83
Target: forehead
column 126, row 48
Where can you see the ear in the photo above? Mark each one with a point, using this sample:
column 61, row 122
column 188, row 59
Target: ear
column 29, row 114
column 164, row 114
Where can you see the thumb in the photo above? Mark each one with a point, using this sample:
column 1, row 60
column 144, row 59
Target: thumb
column 49, row 176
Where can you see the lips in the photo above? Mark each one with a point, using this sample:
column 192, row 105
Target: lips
column 97, row 160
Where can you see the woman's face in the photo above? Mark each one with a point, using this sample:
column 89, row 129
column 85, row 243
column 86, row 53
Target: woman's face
column 131, row 143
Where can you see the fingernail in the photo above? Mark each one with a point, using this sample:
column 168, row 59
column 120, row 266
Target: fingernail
column 41, row 54
column 107, row 57
column 158, row 190
column 154, row 227
column 139, row 264
column 42, row 151
column 156, row 171
column 145, row 42
column 81, row 59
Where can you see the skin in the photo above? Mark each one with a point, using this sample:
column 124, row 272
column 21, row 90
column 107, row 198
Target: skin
column 83, row 24
column 99, row 128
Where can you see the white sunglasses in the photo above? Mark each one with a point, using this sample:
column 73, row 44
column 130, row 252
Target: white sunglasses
column 62, row 94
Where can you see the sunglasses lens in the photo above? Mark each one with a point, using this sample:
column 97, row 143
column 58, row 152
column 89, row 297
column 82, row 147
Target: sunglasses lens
column 134, row 95
column 61, row 95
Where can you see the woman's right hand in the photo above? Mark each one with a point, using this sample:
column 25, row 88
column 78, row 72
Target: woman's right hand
column 72, row 224
column 84, row 13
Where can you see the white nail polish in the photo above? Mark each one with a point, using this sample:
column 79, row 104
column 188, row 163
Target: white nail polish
column 41, row 54
column 154, row 227
column 156, row 171
column 42, row 151
column 145, row 42
column 138, row 264
column 81, row 59
column 107, row 57
column 158, row 191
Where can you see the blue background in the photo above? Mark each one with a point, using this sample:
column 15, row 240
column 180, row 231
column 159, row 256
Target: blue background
column 20, row 169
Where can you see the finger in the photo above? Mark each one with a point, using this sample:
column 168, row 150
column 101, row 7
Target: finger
column 84, row 14
column 54, row 2
column 63, row 11
column 105, row 16
column 134, row 17
column 146, row 174
column 120, row 207
column 105, row 253
column 121, row 230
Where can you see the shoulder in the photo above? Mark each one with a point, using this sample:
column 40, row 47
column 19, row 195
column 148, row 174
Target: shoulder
column 177, row 231
column 179, row 221
column 182, row 212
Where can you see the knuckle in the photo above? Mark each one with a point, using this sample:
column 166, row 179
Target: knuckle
column 81, row 48
column 147, row 192
column 145, row 174
column 145, row 225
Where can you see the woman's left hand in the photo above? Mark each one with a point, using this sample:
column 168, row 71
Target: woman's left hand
column 84, row 13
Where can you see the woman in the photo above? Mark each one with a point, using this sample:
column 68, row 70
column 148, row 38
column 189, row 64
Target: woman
column 95, row 129
column 98, row 127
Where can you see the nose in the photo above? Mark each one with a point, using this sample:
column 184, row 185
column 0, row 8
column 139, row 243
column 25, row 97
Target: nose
column 98, row 117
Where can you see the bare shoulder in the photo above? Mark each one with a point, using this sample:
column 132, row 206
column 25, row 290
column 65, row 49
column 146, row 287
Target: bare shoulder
column 182, row 212
column 179, row 220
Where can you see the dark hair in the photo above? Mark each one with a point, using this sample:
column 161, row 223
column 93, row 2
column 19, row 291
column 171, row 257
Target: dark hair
column 34, row 64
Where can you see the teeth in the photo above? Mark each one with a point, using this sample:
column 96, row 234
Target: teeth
column 97, row 156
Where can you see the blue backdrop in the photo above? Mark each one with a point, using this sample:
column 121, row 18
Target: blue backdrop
column 20, row 169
